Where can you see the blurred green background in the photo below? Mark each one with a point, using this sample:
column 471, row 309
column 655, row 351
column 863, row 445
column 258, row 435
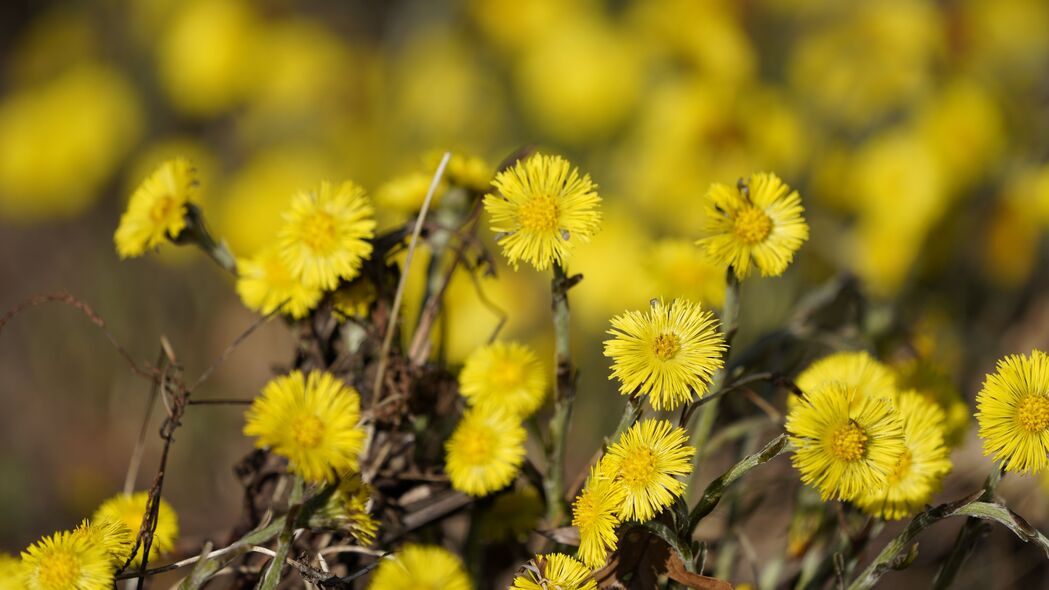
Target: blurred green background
column 916, row 132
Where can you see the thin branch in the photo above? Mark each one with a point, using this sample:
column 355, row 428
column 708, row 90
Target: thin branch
column 233, row 346
column 140, row 443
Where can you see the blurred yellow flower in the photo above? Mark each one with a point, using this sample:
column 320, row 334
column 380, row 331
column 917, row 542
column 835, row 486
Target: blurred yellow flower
column 61, row 140
column 485, row 452
column 930, row 380
column 595, row 513
column 353, row 300
column 10, row 573
column 668, row 352
column 846, row 443
column 421, row 566
column 470, row 172
column 647, row 460
column 544, row 208
column 157, row 209
column 65, row 560
column 265, row 282
column 310, row 420
column 347, row 510
column 856, row 369
column 404, row 195
column 505, row 375
column 922, row 467
column 554, row 571
column 513, row 516
column 678, row 268
column 1013, row 412
column 325, row 234
column 130, row 510
column 757, row 223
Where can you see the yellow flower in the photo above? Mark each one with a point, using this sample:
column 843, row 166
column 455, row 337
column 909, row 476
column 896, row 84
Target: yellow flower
column 504, row 374
column 846, row 443
column 353, row 300
column 66, row 561
column 667, row 353
column 265, row 283
column 406, row 194
column 922, row 467
column 856, row 369
column 346, row 510
column 1013, row 412
column 543, row 208
column 485, row 451
column 596, row 514
column 10, row 573
column 512, row 516
column 112, row 535
column 130, row 510
column 757, row 223
column 933, row 382
column 157, row 209
column 325, row 234
column 470, row 172
column 310, row 420
column 647, row 460
column 554, row 571
column 421, row 566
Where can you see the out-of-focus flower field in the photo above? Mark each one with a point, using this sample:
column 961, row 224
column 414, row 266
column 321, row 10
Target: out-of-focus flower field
column 916, row 132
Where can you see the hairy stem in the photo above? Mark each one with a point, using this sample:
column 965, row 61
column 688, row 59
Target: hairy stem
column 565, row 382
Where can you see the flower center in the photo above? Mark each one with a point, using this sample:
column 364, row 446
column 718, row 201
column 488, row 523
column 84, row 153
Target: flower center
column 666, row 346
column 318, row 232
column 752, row 225
column 903, row 467
column 539, row 213
column 638, row 467
column 1033, row 413
column 477, row 445
column 62, row 570
column 163, row 207
column 848, row 442
column 506, row 375
column 307, row 431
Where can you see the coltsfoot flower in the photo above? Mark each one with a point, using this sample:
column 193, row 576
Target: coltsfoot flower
column 157, row 209
column 846, row 443
column 325, row 234
column 542, row 207
column 485, row 451
column 310, row 420
column 130, row 510
column 666, row 352
column 347, row 510
column 421, row 566
column 1013, row 412
column 265, row 282
column 554, row 570
column 65, row 561
column 647, row 460
column 758, row 223
column 920, row 469
column 114, row 536
column 504, row 374
column 856, row 369
column 596, row 514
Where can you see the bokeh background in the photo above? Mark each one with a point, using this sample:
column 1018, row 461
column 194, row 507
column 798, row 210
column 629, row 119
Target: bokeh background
column 916, row 131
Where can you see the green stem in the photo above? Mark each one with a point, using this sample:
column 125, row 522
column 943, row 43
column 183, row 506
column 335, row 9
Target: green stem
column 553, row 483
column 631, row 414
column 969, row 535
column 709, row 412
column 716, row 489
column 271, row 578
column 197, row 232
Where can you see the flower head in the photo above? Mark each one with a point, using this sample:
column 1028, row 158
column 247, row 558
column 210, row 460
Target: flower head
column 157, row 209
column 667, row 352
column 757, row 223
column 114, row 536
column 485, row 451
column 325, row 234
column 647, row 460
column 679, row 269
column 846, row 443
column 421, row 566
column 554, row 571
column 1013, row 412
column 130, row 509
column 265, row 283
column 10, row 573
column 66, row 561
column 504, row 374
column 310, row 420
column 859, row 370
column 922, row 466
column 512, row 516
column 544, row 208
column 353, row 300
column 596, row 514
column 347, row 510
